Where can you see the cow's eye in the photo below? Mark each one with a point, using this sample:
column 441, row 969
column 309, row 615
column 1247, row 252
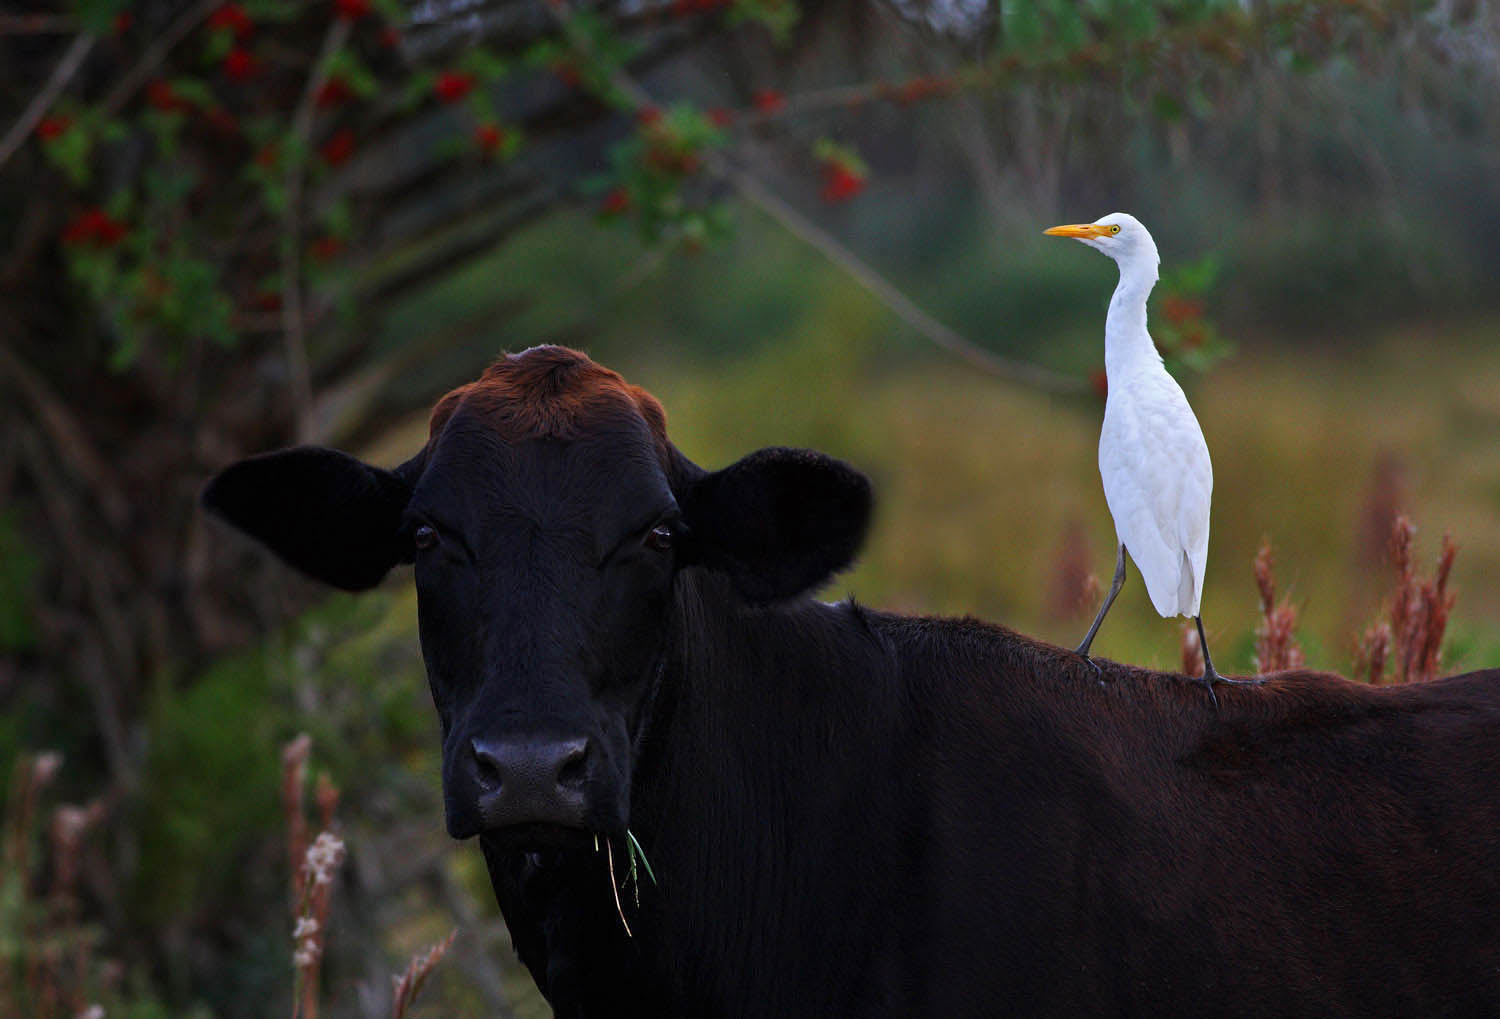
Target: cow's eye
column 424, row 537
column 660, row 537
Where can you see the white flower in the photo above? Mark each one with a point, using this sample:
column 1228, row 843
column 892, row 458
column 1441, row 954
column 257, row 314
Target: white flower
column 92, row 1012
column 306, row 955
column 306, row 928
column 323, row 857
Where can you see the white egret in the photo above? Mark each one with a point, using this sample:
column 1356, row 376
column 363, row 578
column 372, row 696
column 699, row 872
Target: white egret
column 1152, row 455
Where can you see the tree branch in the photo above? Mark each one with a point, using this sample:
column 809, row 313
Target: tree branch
column 144, row 68
column 891, row 296
column 878, row 286
column 36, row 24
column 67, row 436
column 63, row 73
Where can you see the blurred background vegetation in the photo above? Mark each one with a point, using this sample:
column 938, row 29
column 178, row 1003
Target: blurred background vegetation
column 230, row 227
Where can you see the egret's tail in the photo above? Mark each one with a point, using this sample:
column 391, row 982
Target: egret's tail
column 1188, row 596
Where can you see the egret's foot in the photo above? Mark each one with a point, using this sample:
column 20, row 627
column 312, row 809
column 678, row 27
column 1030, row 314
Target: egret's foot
column 1210, row 677
column 1238, row 682
column 1098, row 672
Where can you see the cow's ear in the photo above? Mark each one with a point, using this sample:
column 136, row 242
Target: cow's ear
column 323, row 512
column 779, row 522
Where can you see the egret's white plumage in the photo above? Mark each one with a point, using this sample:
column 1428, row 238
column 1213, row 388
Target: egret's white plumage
column 1152, row 455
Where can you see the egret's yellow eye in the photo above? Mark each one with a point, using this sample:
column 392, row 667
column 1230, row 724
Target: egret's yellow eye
column 1114, row 228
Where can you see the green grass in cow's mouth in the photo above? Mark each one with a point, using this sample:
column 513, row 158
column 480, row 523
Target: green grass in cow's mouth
column 632, row 876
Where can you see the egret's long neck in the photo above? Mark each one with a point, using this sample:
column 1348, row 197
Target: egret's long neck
column 1126, row 341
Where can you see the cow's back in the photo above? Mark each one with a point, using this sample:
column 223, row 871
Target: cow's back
column 1315, row 847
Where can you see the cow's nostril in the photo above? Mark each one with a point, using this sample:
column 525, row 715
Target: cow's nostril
column 487, row 764
column 574, row 766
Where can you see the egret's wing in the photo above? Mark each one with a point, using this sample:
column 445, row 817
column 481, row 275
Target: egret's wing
column 1193, row 515
column 1157, row 480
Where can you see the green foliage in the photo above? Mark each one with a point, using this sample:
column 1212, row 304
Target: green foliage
column 210, row 783
column 484, row 64
column 96, row 16
column 656, row 178
column 779, row 17
column 19, row 564
column 1186, row 337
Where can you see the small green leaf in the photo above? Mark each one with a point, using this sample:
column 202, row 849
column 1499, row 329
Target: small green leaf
column 483, row 64
column 637, row 851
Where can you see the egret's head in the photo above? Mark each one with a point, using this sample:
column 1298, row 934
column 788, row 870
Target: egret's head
column 1119, row 235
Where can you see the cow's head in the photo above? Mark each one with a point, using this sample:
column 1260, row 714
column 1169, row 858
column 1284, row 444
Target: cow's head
column 549, row 519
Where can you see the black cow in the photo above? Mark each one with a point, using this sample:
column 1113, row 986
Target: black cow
column 853, row 813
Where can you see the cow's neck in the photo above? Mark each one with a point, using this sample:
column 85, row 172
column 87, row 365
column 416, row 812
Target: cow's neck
column 757, row 780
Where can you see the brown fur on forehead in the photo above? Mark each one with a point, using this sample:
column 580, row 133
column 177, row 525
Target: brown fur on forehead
column 549, row 392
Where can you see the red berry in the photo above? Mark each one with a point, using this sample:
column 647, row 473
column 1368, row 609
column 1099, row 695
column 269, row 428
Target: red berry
column 647, row 116
column 451, row 86
column 720, row 117
column 110, row 231
column 326, row 248
column 94, row 227
column 768, row 100
column 489, row 138
column 53, row 127
column 840, row 183
column 123, row 22
column 233, row 18
column 1177, row 309
column 332, row 92
column 352, row 10
column 337, row 149
column 162, row 96
column 221, row 119
column 390, row 37
column 240, row 65
column 616, row 202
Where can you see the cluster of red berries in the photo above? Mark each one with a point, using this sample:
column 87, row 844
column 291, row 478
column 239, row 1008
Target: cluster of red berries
column 451, row 86
column 95, row 228
column 54, row 127
column 841, row 181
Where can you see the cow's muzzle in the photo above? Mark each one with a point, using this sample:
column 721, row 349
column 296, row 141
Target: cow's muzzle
column 531, row 783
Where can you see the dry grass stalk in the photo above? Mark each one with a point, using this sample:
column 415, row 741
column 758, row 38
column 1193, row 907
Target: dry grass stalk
column 1413, row 638
column 1276, row 646
column 1372, row 653
column 1192, row 650
column 1381, row 508
column 28, row 780
column 327, row 798
column 1075, row 588
column 293, row 778
column 1401, row 605
column 323, row 859
column 409, row 984
column 45, row 941
column 313, row 870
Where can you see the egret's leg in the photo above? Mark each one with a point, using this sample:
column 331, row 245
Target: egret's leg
column 1210, row 675
column 1114, row 589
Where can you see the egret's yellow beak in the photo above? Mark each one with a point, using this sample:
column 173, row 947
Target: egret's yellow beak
column 1083, row 231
